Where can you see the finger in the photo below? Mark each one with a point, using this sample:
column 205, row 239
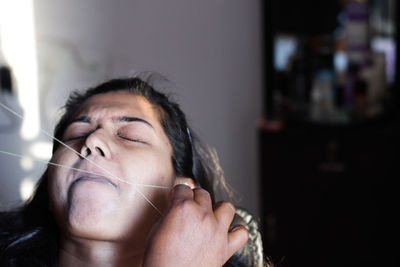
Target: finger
column 224, row 213
column 203, row 198
column 186, row 181
column 237, row 238
column 180, row 193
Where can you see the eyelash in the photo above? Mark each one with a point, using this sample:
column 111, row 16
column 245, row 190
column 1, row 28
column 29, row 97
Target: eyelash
column 130, row 139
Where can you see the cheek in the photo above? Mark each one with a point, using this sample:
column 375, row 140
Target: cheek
column 149, row 168
column 148, row 172
column 57, row 184
column 55, row 187
column 57, row 198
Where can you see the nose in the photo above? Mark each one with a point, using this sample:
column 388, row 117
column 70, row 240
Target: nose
column 96, row 144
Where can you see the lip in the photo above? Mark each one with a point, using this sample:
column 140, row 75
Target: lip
column 86, row 172
column 96, row 179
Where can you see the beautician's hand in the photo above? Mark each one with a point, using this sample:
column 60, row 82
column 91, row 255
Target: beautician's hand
column 193, row 233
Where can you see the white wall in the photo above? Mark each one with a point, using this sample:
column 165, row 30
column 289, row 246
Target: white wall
column 211, row 49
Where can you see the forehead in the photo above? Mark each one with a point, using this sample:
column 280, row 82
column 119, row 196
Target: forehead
column 107, row 105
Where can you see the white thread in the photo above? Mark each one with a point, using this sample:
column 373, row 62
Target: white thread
column 148, row 200
column 80, row 170
column 90, row 161
column 62, row 143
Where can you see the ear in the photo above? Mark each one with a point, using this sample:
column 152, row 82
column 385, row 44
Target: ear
column 186, row 181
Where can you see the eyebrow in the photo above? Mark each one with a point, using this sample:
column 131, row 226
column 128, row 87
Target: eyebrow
column 132, row 119
column 86, row 119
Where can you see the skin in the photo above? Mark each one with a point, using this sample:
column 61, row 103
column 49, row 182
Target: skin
column 105, row 221
column 194, row 233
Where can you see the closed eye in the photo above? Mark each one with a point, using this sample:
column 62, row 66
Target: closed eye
column 131, row 139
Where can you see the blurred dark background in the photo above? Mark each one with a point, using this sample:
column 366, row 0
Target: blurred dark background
column 329, row 141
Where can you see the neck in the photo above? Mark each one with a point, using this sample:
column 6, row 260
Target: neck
column 83, row 252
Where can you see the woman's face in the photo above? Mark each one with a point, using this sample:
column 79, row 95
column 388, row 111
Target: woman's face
column 125, row 149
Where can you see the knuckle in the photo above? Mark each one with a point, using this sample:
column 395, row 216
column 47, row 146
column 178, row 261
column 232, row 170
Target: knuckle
column 202, row 192
column 185, row 205
column 181, row 188
column 204, row 216
column 227, row 205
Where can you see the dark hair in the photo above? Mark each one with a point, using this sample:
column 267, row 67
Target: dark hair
column 29, row 235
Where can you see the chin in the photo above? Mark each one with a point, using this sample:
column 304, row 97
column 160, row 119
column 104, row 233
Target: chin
column 93, row 211
column 93, row 224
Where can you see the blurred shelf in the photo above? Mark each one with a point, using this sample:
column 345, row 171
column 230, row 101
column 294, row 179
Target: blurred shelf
column 329, row 194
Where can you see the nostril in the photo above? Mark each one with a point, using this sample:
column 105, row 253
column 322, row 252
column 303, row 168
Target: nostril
column 87, row 152
column 100, row 151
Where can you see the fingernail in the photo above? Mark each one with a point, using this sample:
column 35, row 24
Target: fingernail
column 182, row 184
column 235, row 228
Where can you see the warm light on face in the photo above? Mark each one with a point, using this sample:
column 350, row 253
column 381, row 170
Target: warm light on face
column 17, row 38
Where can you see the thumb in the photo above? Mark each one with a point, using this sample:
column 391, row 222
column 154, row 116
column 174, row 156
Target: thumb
column 237, row 238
